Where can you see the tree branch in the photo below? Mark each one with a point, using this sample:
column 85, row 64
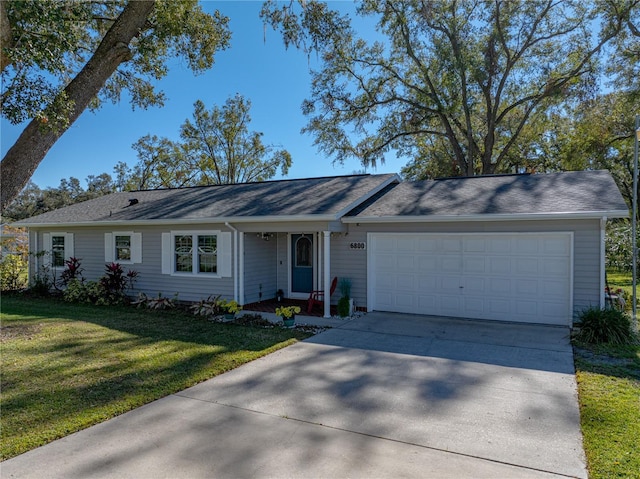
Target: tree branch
column 35, row 141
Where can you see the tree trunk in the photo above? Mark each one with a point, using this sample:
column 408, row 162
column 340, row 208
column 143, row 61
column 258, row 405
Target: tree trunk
column 6, row 39
column 29, row 150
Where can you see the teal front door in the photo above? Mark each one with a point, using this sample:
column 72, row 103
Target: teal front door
column 301, row 263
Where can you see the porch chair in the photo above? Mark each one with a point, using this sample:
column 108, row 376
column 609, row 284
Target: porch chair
column 317, row 297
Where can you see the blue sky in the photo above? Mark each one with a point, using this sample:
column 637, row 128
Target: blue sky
column 274, row 79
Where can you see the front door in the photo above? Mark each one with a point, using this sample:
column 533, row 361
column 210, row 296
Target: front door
column 301, row 263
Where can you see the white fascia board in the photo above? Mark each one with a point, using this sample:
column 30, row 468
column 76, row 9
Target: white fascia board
column 188, row 221
column 487, row 217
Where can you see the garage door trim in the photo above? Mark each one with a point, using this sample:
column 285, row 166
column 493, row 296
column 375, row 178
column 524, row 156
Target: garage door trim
column 371, row 250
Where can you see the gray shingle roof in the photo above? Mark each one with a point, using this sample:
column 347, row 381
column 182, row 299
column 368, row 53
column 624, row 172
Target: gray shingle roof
column 314, row 197
column 555, row 193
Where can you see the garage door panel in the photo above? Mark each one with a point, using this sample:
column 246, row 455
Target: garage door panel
column 427, row 245
column 405, row 281
column 451, row 244
column 499, row 286
column 385, row 244
column 476, row 285
column 500, row 245
column 528, row 266
column 427, row 302
column 386, row 262
column 498, row 307
column 405, row 263
column 499, row 265
column 474, row 264
column 449, row 284
column 527, row 245
column 526, row 287
column 474, row 307
column 556, row 246
column 475, row 245
column 426, row 282
column 427, row 263
column 405, row 244
column 555, row 267
column 386, row 281
column 451, row 264
column 505, row 276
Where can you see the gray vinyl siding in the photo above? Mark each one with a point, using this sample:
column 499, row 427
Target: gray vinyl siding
column 352, row 264
column 260, row 268
column 89, row 248
column 586, row 250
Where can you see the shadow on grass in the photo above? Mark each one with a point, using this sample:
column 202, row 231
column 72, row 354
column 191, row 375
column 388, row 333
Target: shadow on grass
column 62, row 374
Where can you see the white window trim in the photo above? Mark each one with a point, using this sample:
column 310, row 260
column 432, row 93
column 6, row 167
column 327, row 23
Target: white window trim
column 223, row 253
column 47, row 244
column 110, row 247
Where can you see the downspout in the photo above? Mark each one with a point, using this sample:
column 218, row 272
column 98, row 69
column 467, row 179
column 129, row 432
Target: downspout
column 603, row 226
column 236, row 280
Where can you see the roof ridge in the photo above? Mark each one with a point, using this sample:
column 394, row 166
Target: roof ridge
column 281, row 180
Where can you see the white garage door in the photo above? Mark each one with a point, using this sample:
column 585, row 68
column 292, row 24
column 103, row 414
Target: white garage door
column 523, row 277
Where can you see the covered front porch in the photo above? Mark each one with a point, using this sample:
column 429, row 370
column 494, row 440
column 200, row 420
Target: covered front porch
column 292, row 263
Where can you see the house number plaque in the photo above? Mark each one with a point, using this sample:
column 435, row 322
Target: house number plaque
column 361, row 245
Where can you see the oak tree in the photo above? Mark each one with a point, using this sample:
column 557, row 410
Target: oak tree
column 60, row 57
column 215, row 147
column 453, row 84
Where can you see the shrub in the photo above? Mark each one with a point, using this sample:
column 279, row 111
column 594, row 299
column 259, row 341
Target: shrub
column 159, row 302
column 343, row 307
column 72, row 270
column 43, row 280
column 13, row 272
column 115, row 282
column 604, row 326
column 81, row 292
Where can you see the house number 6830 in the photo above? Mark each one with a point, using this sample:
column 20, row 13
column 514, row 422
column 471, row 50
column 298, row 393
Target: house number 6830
column 358, row 245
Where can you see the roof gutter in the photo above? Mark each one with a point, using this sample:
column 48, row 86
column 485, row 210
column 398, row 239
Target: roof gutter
column 188, row 221
column 596, row 215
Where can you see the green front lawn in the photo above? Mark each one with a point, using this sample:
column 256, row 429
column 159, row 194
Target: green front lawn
column 609, row 393
column 66, row 367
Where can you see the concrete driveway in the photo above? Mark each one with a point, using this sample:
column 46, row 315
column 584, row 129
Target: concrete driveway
column 385, row 395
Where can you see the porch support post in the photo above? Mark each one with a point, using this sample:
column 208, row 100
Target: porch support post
column 240, row 278
column 327, row 274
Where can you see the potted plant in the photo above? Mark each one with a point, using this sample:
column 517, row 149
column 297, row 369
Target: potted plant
column 288, row 314
column 228, row 308
column 345, row 304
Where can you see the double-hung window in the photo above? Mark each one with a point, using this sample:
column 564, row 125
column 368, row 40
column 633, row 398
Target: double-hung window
column 124, row 247
column 58, row 248
column 200, row 253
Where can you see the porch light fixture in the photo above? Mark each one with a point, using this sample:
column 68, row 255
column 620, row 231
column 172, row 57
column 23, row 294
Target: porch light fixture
column 264, row 236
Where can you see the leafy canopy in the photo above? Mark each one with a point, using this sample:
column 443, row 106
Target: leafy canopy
column 215, row 147
column 49, row 42
column 454, row 85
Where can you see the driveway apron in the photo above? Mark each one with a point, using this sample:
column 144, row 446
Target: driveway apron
column 384, row 395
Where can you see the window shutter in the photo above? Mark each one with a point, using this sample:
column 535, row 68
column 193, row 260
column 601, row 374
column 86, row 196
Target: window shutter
column 136, row 248
column 166, row 253
column 69, row 251
column 225, row 255
column 46, row 247
column 109, row 248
